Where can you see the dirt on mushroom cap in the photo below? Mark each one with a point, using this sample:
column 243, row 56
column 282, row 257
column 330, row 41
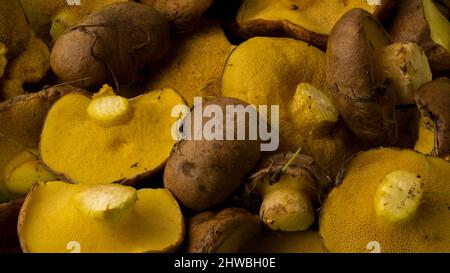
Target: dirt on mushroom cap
column 291, row 186
column 101, row 49
column 183, row 15
column 367, row 107
column 204, row 173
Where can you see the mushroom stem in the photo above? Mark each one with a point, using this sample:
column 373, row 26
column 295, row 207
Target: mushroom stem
column 312, row 111
column 398, row 196
column 287, row 204
column 403, row 67
column 106, row 106
column 427, row 138
column 106, row 202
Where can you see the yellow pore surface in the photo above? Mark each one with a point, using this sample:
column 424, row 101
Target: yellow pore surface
column 51, row 222
column 349, row 222
column 313, row 15
column 195, row 63
column 266, row 71
column 85, row 150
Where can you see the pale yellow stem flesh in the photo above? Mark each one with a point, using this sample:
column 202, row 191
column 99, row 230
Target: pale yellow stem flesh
column 287, row 204
column 107, row 107
column 106, row 202
column 312, row 111
column 398, row 196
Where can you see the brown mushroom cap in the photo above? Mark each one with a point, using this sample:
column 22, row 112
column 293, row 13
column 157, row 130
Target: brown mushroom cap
column 203, row 173
column 182, row 14
column 434, row 100
column 366, row 106
column 226, row 231
column 113, row 43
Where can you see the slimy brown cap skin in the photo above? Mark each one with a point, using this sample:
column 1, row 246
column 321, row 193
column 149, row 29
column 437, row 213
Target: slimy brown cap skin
column 113, row 43
column 367, row 107
column 209, row 232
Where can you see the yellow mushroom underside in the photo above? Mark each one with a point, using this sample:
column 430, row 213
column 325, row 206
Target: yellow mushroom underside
column 85, row 150
column 349, row 222
column 50, row 221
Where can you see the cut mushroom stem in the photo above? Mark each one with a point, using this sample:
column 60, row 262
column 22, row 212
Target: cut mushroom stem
column 107, row 107
column 427, row 137
column 106, row 202
column 398, row 196
column 287, row 204
column 405, row 66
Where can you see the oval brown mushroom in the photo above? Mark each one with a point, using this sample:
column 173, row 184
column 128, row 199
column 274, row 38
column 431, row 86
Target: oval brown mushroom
column 111, row 45
column 366, row 106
